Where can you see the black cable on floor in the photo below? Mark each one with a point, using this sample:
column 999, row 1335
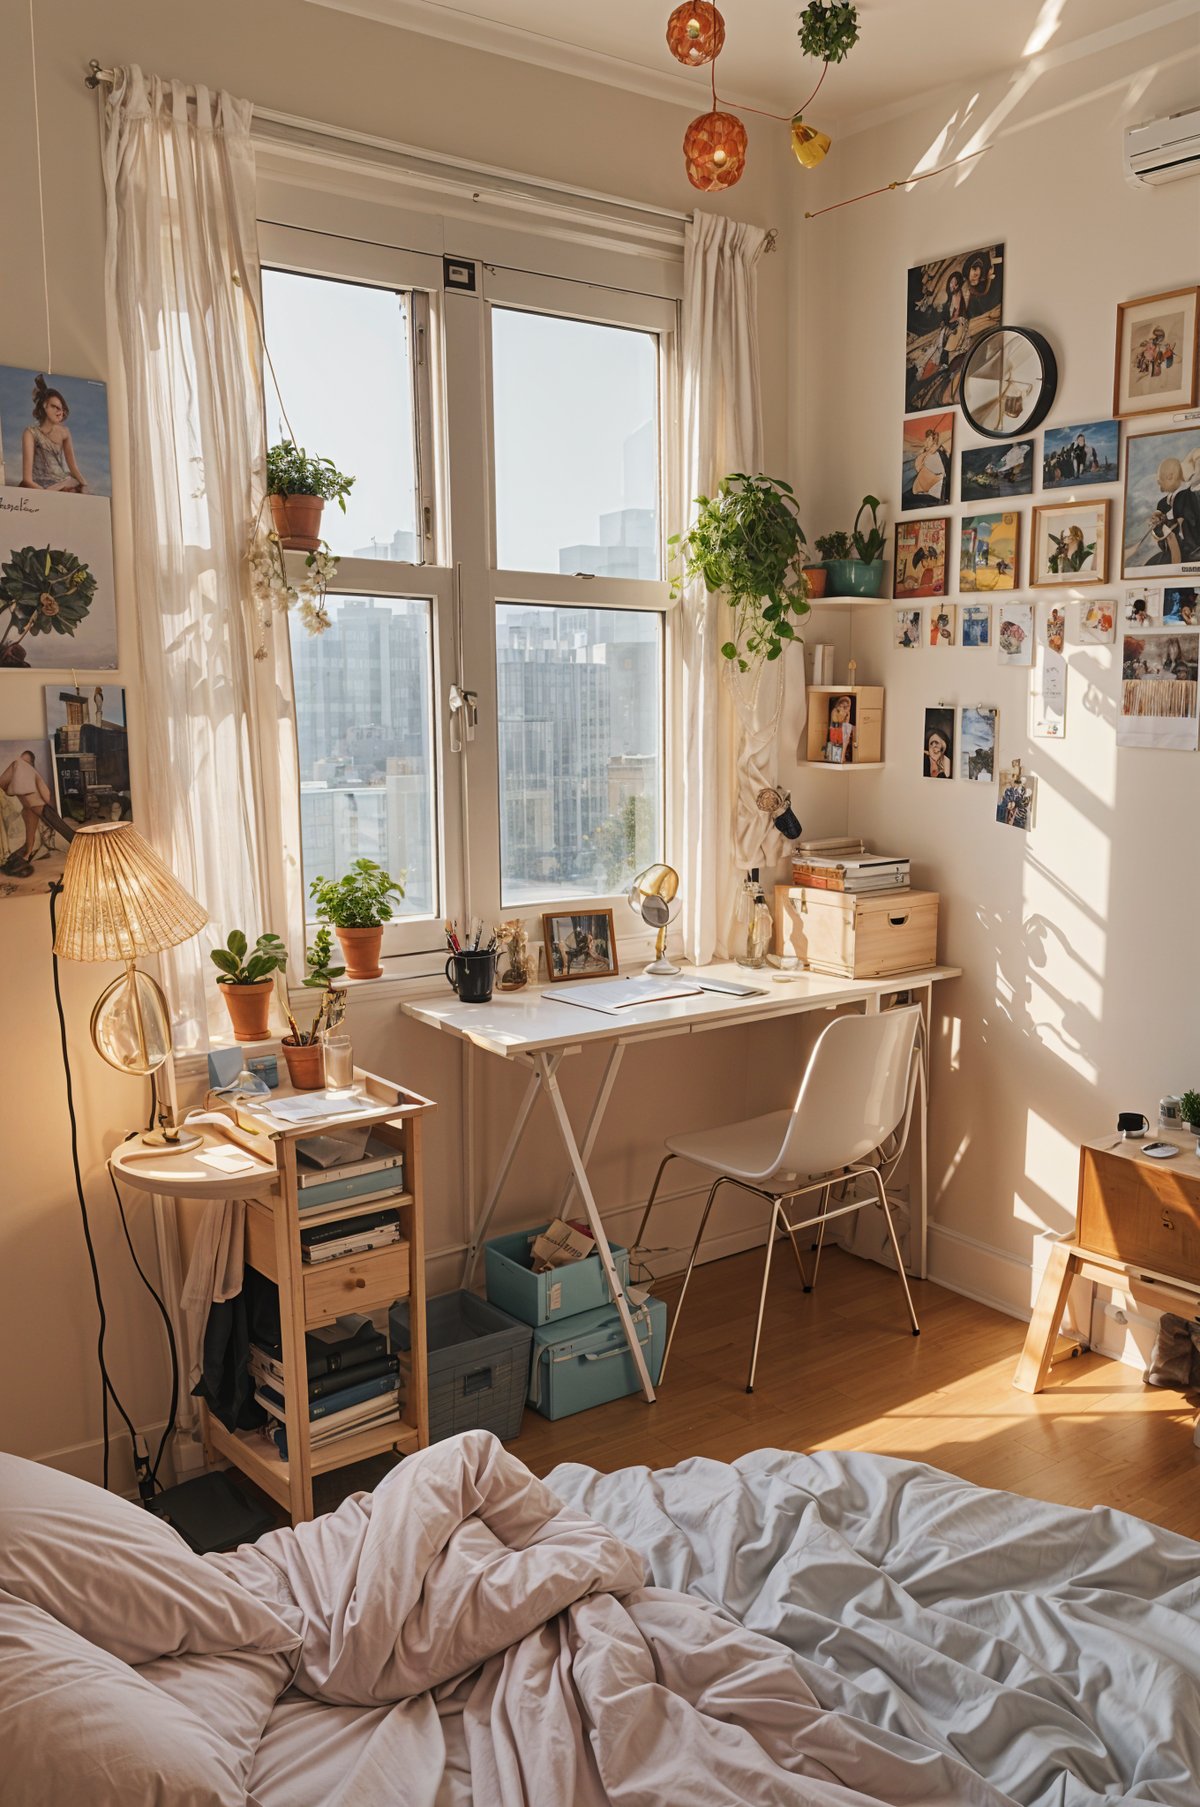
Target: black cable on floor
column 169, row 1429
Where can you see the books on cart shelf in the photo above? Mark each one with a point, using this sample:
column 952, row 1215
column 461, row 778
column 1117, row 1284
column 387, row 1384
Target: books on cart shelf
column 347, row 1343
column 350, row 1235
column 350, row 1398
column 323, row 1161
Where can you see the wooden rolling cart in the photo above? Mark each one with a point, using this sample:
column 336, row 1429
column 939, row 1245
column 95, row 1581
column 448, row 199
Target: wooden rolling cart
column 311, row 1295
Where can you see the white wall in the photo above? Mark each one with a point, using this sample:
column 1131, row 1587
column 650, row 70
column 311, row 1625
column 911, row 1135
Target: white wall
column 1079, row 992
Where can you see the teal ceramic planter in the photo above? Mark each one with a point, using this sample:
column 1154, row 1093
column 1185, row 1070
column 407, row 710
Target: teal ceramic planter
column 854, row 577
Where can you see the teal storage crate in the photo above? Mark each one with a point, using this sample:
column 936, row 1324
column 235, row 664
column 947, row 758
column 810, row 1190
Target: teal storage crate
column 541, row 1298
column 586, row 1362
column 477, row 1364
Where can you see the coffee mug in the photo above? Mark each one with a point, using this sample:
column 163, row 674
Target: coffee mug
column 1132, row 1124
column 472, row 974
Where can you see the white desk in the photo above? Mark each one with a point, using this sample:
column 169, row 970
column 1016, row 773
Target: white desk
column 536, row 1028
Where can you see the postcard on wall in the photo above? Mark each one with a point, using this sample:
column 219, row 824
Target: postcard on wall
column 952, row 301
column 89, row 746
column 919, row 566
column 1182, row 606
column 1098, row 621
column 987, row 555
column 1142, row 604
column 942, row 624
column 938, row 752
column 927, row 442
column 977, row 730
column 1159, row 673
column 1014, row 637
column 1070, row 544
column 1050, row 696
column 33, row 836
column 57, row 604
column 987, row 472
column 908, row 628
column 53, row 433
column 1054, row 625
column 1018, row 798
column 975, row 623
column 1156, row 353
column 1088, row 453
column 1162, row 504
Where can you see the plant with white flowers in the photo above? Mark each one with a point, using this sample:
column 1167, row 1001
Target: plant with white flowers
column 272, row 588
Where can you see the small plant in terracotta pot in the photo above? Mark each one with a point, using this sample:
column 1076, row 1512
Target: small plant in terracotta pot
column 358, row 905
column 246, row 978
column 302, row 1048
column 299, row 487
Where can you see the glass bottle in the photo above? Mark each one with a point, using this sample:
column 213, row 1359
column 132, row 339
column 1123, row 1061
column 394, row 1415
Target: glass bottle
column 756, row 914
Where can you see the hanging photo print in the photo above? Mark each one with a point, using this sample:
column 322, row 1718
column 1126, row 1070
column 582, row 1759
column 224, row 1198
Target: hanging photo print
column 1054, row 626
column 1014, row 637
column 1142, row 605
column 1158, row 691
column 942, row 625
column 53, row 433
column 1156, row 353
column 1098, row 621
column 920, row 557
column 1072, row 456
column 977, row 744
column 908, row 628
column 90, row 749
column 989, row 471
column 938, row 754
column 1181, row 606
column 1018, row 796
column 1050, row 696
column 1070, row 544
column 951, row 303
column 33, row 835
column 987, row 557
column 1162, row 504
column 975, row 621
column 928, row 440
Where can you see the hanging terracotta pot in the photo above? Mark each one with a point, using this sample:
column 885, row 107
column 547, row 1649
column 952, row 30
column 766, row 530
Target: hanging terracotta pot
column 361, row 949
column 305, row 1064
column 297, row 521
column 249, row 1007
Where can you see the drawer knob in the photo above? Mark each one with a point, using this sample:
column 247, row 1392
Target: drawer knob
column 359, row 1281
column 1166, row 1221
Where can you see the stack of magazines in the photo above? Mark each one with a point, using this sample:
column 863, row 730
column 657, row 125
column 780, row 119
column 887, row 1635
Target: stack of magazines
column 854, row 873
column 352, row 1381
column 350, row 1235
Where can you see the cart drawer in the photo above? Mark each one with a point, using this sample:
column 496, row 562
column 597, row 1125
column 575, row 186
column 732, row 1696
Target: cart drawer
column 1146, row 1215
column 355, row 1282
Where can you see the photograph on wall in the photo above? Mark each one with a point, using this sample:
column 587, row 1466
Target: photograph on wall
column 1158, row 691
column 942, row 624
column 1098, row 621
column 977, row 725
column 1049, row 702
column 975, row 623
column 919, row 567
column 987, row 472
column 57, row 603
column 1070, row 544
column 1156, row 353
column 1073, row 456
column 987, row 552
column 1141, row 604
column 938, row 753
column 90, row 749
column 928, row 440
column 1014, row 636
column 1054, row 625
column 53, row 433
column 1018, row 797
column 952, row 301
column 838, row 745
column 580, row 946
column 33, row 835
column 908, row 628
column 1162, row 504
column 1181, row 606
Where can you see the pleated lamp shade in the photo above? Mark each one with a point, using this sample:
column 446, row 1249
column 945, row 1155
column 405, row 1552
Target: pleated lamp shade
column 119, row 900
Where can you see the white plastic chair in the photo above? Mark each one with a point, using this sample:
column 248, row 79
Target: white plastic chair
column 856, row 1096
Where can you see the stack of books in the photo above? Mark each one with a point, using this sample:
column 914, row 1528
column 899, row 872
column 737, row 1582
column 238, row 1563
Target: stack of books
column 350, row 1235
column 322, row 1178
column 352, row 1381
column 855, row 874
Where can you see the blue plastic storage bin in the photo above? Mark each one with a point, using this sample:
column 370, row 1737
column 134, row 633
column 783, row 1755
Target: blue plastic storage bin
column 541, row 1298
column 477, row 1364
column 586, row 1362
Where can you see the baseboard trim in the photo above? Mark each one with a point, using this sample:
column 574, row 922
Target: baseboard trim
column 980, row 1271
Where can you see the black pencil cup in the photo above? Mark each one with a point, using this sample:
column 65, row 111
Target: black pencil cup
column 472, row 974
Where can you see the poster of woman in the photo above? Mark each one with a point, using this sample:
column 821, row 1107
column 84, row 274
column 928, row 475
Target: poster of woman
column 1070, row 544
column 1162, row 504
column 938, row 756
column 53, row 433
column 928, row 440
column 33, row 836
column 952, row 301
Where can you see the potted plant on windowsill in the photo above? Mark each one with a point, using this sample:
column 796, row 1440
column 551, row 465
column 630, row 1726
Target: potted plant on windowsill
column 246, row 983
column 748, row 542
column 854, row 561
column 299, row 487
column 302, row 1049
column 1189, row 1111
column 358, row 905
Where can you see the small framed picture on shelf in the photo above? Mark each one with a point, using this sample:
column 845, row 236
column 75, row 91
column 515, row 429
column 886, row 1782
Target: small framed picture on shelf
column 1070, row 544
column 1157, row 339
column 580, row 945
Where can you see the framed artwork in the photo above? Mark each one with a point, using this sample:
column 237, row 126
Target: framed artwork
column 1087, row 453
column 1070, row 544
column 1014, row 636
column 1157, row 340
column 919, row 566
column 907, row 628
column 942, row 624
column 975, row 623
column 1159, row 689
column 58, row 608
column 1162, row 504
column 33, row 836
column 841, row 722
column 938, row 750
column 580, row 945
column 53, row 433
column 989, row 471
column 1098, row 621
column 1054, row 626
column 952, row 301
column 1017, row 799
column 977, row 726
column 1181, row 607
column 89, row 746
column 987, row 555
column 925, row 478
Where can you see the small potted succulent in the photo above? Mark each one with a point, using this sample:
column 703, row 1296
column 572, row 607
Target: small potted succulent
column 854, row 560
column 246, row 978
column 1189, row 1111
column 815, row 574
column 357, row 905
column 302, row 1049
column 299, row 487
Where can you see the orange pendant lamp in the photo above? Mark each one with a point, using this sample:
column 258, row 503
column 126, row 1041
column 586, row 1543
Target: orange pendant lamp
column 695, row 33
column 714, row 151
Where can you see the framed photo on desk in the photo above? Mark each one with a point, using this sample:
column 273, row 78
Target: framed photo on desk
column 580, row 945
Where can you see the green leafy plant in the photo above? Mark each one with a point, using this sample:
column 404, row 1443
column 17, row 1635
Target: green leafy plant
column 748, row 542
column 268, row 956
column 320, row 973
column 1189, row 1107
column 320, row 977
column 45, row 591
column 834, row 545
column 291, row 472
column 869, row 546
column 357, row 900
column 828, row 30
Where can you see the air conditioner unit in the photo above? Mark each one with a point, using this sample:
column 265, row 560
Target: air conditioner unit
column 1164, row 149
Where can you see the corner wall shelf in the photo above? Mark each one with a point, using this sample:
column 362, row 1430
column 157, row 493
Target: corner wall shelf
column 821, row 765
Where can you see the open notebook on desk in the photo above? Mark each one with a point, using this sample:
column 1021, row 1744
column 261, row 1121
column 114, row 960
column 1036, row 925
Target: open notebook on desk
column 614, row 996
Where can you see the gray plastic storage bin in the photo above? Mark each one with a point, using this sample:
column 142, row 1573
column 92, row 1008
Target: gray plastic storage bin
column 478, row 1360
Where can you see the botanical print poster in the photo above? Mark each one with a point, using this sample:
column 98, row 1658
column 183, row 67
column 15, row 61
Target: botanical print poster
column 928, row 440
column 987, row 558
column 53, row 433
column 1072, row 456
column 1158, row 691
column 33, row 836
column 90, row 749
column 977, row 744
column 57, row 604
column 951, row 302
column 1162, row 504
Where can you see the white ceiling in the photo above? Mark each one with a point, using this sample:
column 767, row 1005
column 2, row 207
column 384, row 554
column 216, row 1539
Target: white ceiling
column 906, row 48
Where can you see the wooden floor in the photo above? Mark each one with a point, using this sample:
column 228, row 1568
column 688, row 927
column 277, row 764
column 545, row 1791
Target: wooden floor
column 840, row 1369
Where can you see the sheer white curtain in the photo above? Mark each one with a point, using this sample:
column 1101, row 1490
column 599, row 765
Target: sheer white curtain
column 220, row 800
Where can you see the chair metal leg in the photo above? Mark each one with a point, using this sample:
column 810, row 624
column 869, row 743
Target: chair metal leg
column 762, row 1297
column 887, row 1212
column 819, row 1244
column 805, row 1282
column 712, row 1193
column 662, row 1167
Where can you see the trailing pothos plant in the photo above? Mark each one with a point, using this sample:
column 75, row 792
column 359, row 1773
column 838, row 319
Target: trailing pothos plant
column 747, row 542
column 828, row 30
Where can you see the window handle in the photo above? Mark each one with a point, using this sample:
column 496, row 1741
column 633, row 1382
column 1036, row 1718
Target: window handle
column 464, row 716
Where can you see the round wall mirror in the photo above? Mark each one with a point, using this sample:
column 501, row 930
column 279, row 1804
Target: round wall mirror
column 1008, row 382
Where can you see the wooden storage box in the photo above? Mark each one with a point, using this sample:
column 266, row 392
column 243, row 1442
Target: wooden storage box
column 1139, row 1211
column 866, row 718
column 856, row 937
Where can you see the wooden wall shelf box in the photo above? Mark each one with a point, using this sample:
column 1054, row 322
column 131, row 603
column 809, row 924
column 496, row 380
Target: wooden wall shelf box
column 868, row 723
column 852, row 936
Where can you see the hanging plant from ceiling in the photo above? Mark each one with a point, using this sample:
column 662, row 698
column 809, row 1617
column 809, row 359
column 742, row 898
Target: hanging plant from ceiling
column 828, row 30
